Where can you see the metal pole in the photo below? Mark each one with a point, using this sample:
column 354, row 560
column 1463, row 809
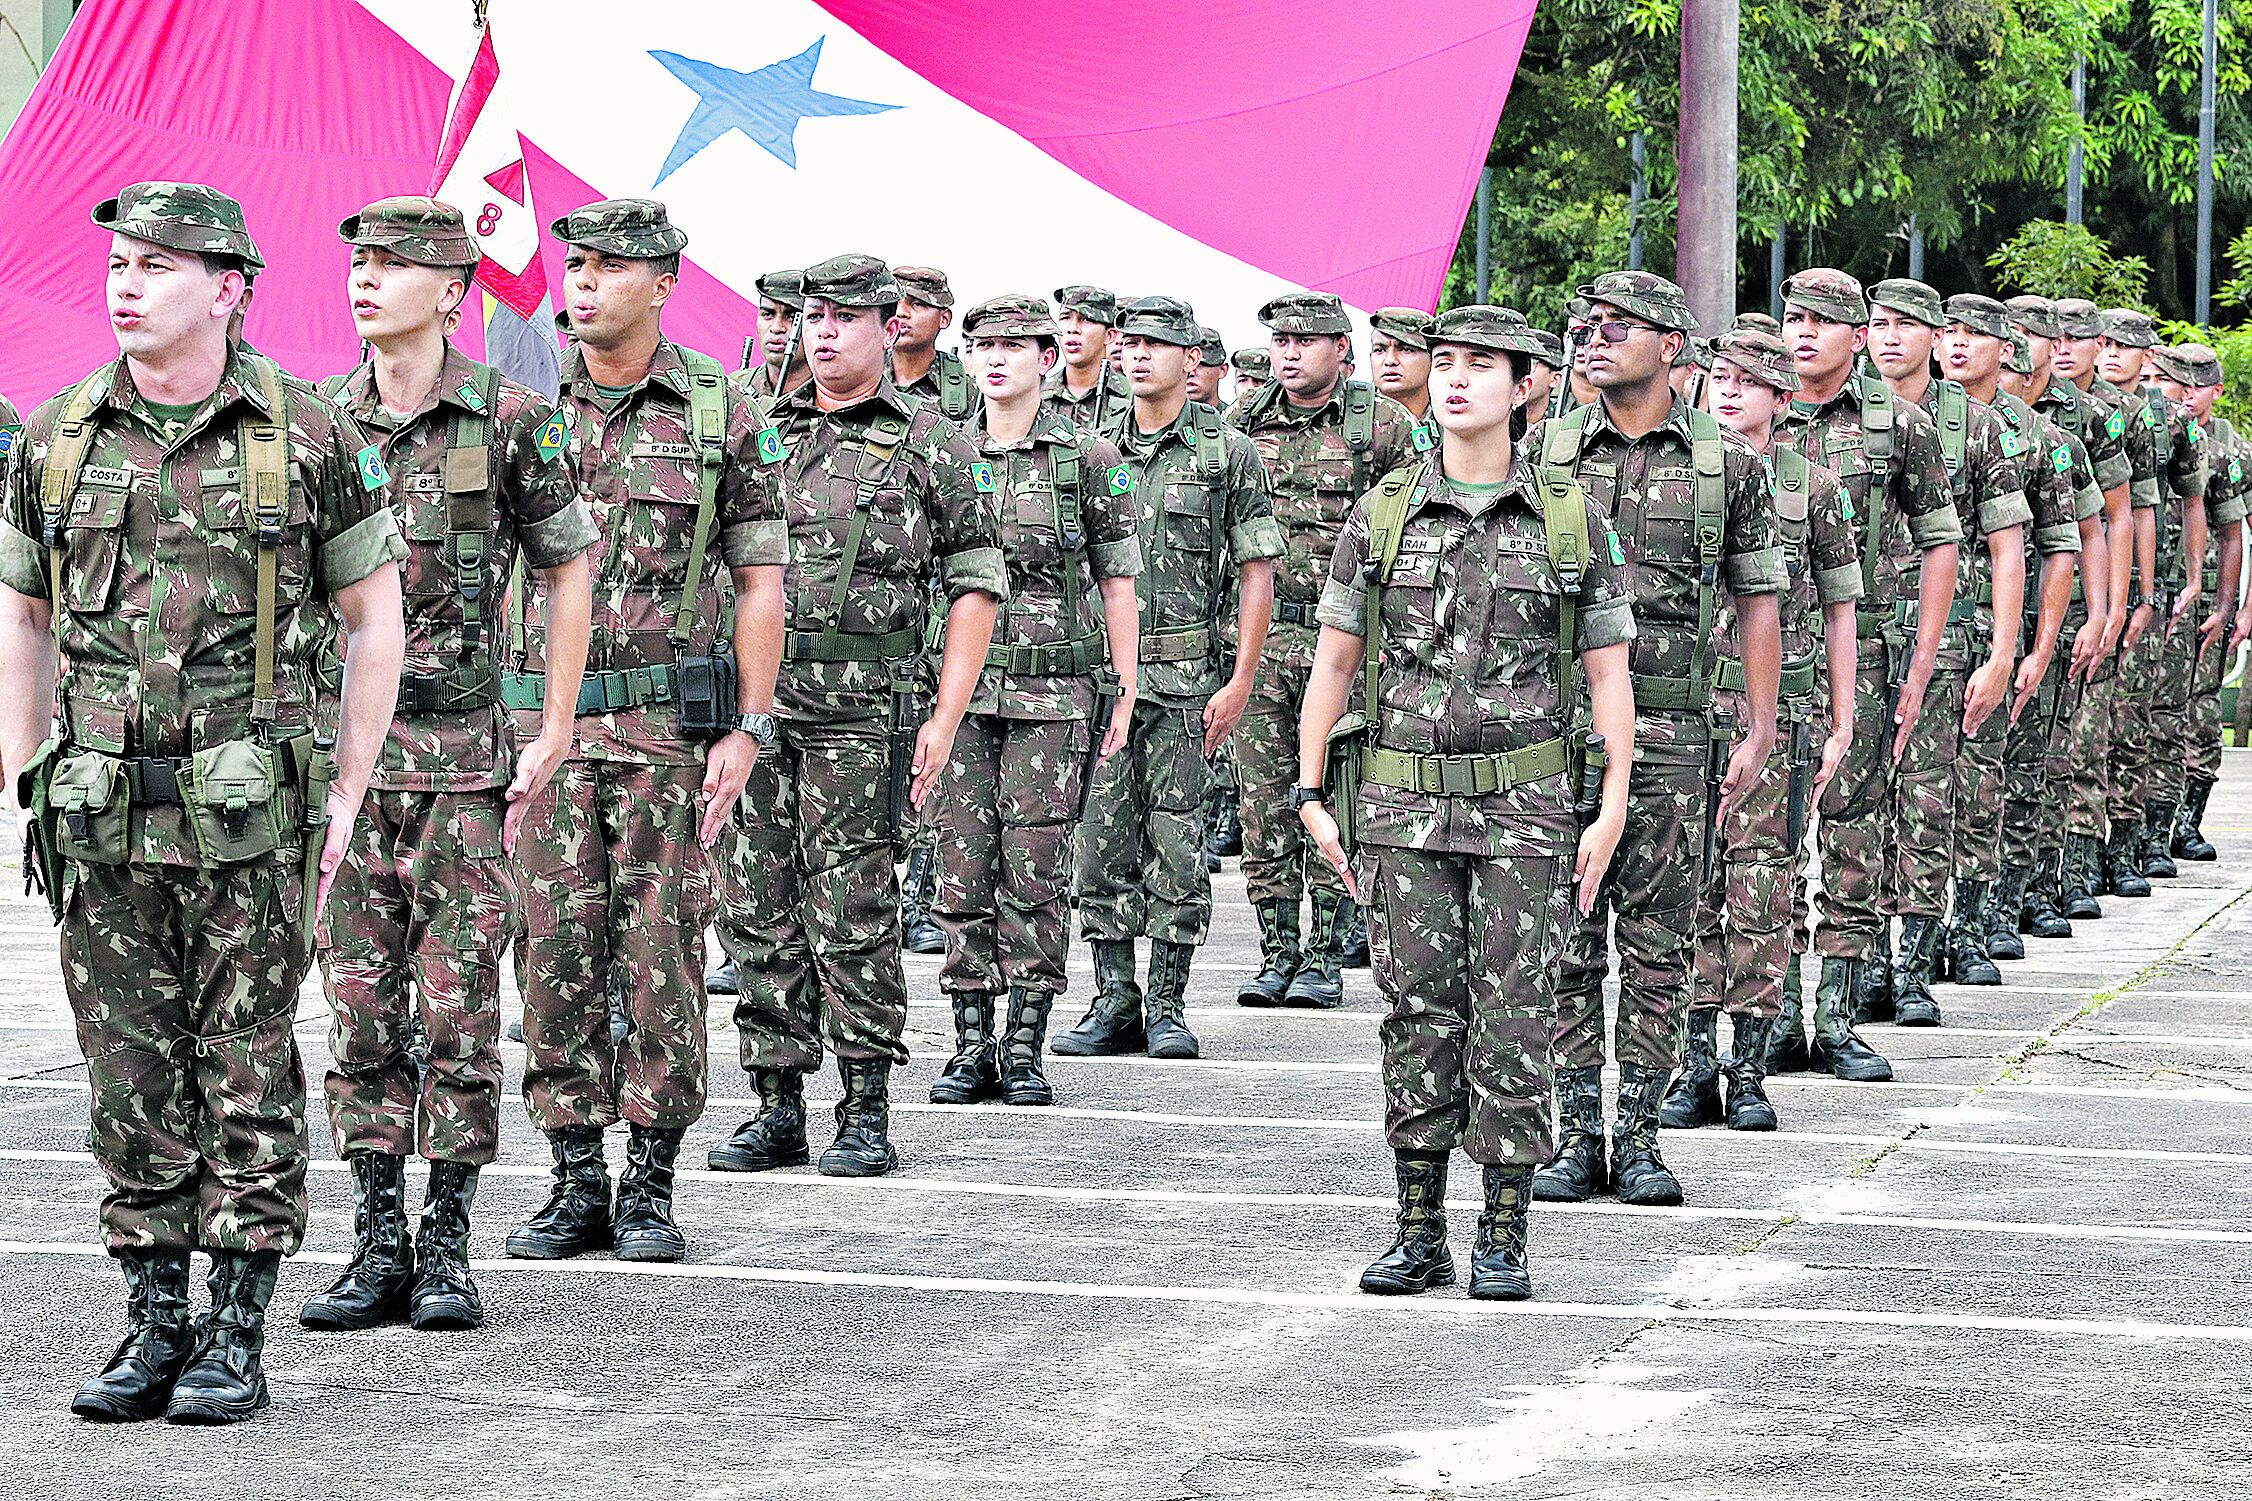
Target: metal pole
column 1637, row 192
column 1485, row 231
column 1705, row 246
column 1776, row 275
column 2205, row 165
column 1915, row 250
column 2076, row 163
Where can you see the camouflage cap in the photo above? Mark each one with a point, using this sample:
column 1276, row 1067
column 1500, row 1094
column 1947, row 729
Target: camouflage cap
column 1979, row 314
column 2036, row 315
column 637, row 228
column 784, row 289
column 1551, row 351
column 2018, row 358
column 2077, row 318
column 2126, row 326
column 1828, row 294
column 1644, row 295
column 2191, row 364
column 1255, row 363
column 1481, row 326
column 1902, row 294
column 1211, row 349
column 852, row 281
column 1098, row 304
column 1579, row 308
column 1017, row 315
column 1696, row 353
column 1755, row 320
column 1165, row 319
column 181, row 216
column 1760, row 355
column 421, row 230
column 926, row 285
column 1410, row 326
column 1306, row 313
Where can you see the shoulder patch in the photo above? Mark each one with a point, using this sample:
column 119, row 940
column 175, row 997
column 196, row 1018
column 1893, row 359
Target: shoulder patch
column 553, row 434
column 2062, row 458
column 1845, row 503
column 2115, row 424
column 8, row 432
column 471, row 397
column 981, row 475
column 2151, row 419
column 1420, row 436
column 2012, row 446
column 1121, row 479
column 369, row 461
column 770, row 450
column 1618, row 553
column 2196, row 433
column 2236, row 471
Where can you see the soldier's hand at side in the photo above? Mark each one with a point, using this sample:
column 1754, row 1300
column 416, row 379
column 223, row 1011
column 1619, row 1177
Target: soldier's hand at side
column 727, row 766
column 1598, row 841
column 1905, row 713
column 934, row 745
column 535, row 768
column 342, row 816
column 1321, row 828
column 2029, row 675
column 2114, row 627
column 1222, row 712
column 1121, row 723
column 1984, row 692
column 2137, row 623
column 1833, row 757
column 2242, row 630
column 2209, row 629
column 2087, row 651
column 2184, row 602
column 1741, row 773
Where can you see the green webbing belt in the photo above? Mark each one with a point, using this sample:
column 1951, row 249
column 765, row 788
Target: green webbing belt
column 1797, row 681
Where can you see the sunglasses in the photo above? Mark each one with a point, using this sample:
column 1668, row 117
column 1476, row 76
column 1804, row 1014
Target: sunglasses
column 1613, row 331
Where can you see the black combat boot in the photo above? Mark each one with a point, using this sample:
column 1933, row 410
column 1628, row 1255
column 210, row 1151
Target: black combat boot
column 1227, row 824
column 2122, row 860
column 2158, row 838
column 2041, row 914
column 642, row 1224
column 1165, row 1018
column 1352, row 944
column 1913, row 1004
column 1497, row 1257
column 720, row 979
column 1419, row 1259
column 1641, row 1175
column 444, row 1295
column 374, row 1286
column 2083, row 873
column 1786, row 1050
column 1022, row 1082
column 2005, row 906
column 1694, row 1099
column 1113, row 1023
column 863, row 1146
column 1577, row 1170
column 973, row 1074
column 2190, row 842
column 1745, row 1069
column 1836, row 1048
column 225, row 1379
column 136, row 1383
column 1278, row 955
column 1318, row 982
column 576, row 1217
column 1873, row 985
column 917, row 933
column 1965, row 955
column 775, row 1137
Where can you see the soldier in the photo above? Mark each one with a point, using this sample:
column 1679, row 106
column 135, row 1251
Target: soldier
column 1545, row 369
column 1325, row 441
column 1745, row 925
column 883, row 495
column 481, row 469
column 1211, row 368
column 1887, row 453
column 1090, row 391
column 1462, row 582
column 918, row 366
column 1253, row 367
column 1037, row 722
column 177, row 525
column 781, row 299
column 1399, row 358
column 676, row 703
column 1205, row 526
column 1958, row 722
column 1691, row 505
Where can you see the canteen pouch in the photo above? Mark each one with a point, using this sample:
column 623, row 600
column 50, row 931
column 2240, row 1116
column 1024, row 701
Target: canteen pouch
column 42, row 863
column 906, row 723
column 320, row 772
column 89, row 806
column 706, row 688
column 234, row 802
column 1344, row 767
column 1593, row 760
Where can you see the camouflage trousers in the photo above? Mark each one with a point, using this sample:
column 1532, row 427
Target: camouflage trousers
column 183, row 984
column 2087, row 756
column 1004, row 816
column 1652, row 888
column 815, row 933
column 1979, row 795
column 2033, row 773
column 1746, row 912
column 2165, row 760
column 2137, row 715
column 1141, row 846
column 1265, row 749
column 1464, row 951
column 616, row 895
column 2202, row 761
column 424, row 900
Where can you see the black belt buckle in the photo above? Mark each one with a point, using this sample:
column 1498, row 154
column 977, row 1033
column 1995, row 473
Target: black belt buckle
column 154, row 780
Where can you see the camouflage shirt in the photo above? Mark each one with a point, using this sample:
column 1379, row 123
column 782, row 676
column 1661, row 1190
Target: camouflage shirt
column 2228, row 477
column 932, row 521
column 1105, row 404
column 1198, row 525
column 2179, row 442
column 1989, row 491
column 1042, row 571
column 1469, row 660
column 533, row 502
column 930, row 386
column 2060, row 487
column 2095, row 419
column 638, row 472
column 1822, row 558
column 157, row 626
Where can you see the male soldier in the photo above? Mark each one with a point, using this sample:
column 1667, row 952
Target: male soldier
column 1206, row 526
column 1545, row 369
column 1325, row 441
column 177, row 525
column 2191, row 374
column 1211, row 367
column 883, row 495
column 1887, row 453
column 481, row 469
column 1690, row 503
column 1687, row 377
column 918, row 366
column 1253, row 367
column 1958, row 721
column 1746, row 910
column 1399, row 358
column 1988, row 896
column 781, row 298
column 1084, row 385
column 678, row 467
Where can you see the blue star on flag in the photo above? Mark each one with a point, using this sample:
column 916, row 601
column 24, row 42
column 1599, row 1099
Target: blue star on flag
column 765, row 105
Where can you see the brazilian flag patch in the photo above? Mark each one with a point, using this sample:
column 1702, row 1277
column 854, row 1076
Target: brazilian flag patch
column 553, row 434
column 981, row 475
column 369, row 461
column 1121, row 480
column 1847, row 502
column 2115, row 424
column 770, row 450
column 1618, row 553
column 2062, row 458
column 8, row 439
column 2151, row 418
column 2196, row 433
column 1422, row 437
column 2236, row 470
column 2012, row 446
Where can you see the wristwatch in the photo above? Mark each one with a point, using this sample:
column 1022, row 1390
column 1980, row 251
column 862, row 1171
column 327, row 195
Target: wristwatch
column 1300, row 796
column 759, row 727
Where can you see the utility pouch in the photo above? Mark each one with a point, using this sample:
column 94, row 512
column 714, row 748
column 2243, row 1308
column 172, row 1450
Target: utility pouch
column 235, row 802
column 1344, row 771
column 707, row 694
column 89, row 806
column 42, row 863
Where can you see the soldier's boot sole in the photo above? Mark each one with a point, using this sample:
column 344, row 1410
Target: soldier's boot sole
column 1311, row 990
column 1862, row 1065
column 654, row 1244
column 751, row 1150
column 1750, row 1110
column 1265, row 990
column 101, row 1407
column 1496, row 1278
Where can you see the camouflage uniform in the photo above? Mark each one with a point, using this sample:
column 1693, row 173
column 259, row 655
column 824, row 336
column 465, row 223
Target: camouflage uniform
column 946, row 384
column 1253, row 368
column 1319, row 460
column 2228, row 487
column 1110, row 400
column 424, row 897
column 786, row 288
column 183, row 933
